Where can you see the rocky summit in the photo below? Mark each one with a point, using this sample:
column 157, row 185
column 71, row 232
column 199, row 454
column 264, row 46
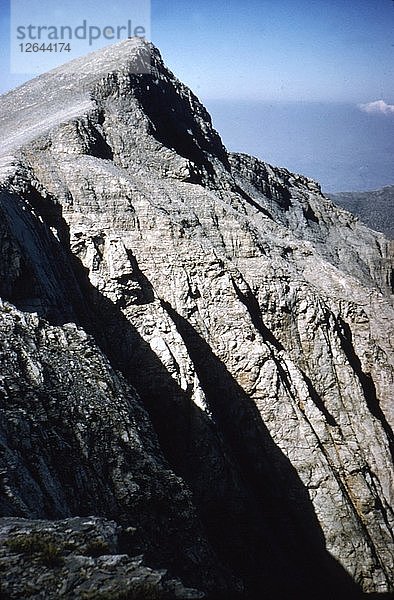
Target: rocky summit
column 196, row 356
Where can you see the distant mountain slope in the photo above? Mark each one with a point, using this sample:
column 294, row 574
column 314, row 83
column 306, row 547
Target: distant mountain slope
column 375, row 209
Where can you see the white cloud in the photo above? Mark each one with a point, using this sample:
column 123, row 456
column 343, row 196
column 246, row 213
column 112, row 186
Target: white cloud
column 377, row 107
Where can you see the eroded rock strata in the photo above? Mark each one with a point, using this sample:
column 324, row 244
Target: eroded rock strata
column 194, row 344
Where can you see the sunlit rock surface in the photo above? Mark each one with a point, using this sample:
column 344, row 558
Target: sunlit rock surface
column 194, row 343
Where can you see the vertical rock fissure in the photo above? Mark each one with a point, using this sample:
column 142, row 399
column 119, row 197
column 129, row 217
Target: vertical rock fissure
column 344, row 333
column 252, row 306
column 269, row 474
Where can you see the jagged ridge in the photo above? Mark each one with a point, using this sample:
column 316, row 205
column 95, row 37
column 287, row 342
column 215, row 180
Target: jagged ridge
column 248, row 312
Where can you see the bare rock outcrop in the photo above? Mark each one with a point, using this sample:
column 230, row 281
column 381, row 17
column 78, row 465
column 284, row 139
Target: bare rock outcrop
column 195, row 343
column 78, row 558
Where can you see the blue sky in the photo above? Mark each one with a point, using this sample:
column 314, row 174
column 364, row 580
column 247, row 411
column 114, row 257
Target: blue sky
column 275, row 50
column 335, row 50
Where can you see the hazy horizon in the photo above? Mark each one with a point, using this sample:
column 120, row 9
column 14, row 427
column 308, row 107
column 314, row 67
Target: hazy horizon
column 339, row 145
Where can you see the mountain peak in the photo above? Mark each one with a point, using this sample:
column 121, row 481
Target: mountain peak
column 132, row 71
column 65, row 92
column 194, row 344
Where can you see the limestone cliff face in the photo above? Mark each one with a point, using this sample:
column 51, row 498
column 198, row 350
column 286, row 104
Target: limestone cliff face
column 194, row 343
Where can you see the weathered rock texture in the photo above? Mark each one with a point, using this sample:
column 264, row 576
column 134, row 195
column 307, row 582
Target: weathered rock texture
column 195, row 344
column 78, row 558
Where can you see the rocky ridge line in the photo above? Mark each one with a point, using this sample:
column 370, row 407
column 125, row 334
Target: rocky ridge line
column 249, row 314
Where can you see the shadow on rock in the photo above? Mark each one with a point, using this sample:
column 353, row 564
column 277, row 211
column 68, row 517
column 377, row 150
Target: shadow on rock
column 255, row 510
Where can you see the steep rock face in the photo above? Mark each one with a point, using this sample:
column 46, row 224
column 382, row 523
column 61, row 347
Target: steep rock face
column 75, row 440
column 250, row 314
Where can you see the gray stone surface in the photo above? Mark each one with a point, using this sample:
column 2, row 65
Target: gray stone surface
column 78, row 558
column 75, row 440
column 164, row 287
